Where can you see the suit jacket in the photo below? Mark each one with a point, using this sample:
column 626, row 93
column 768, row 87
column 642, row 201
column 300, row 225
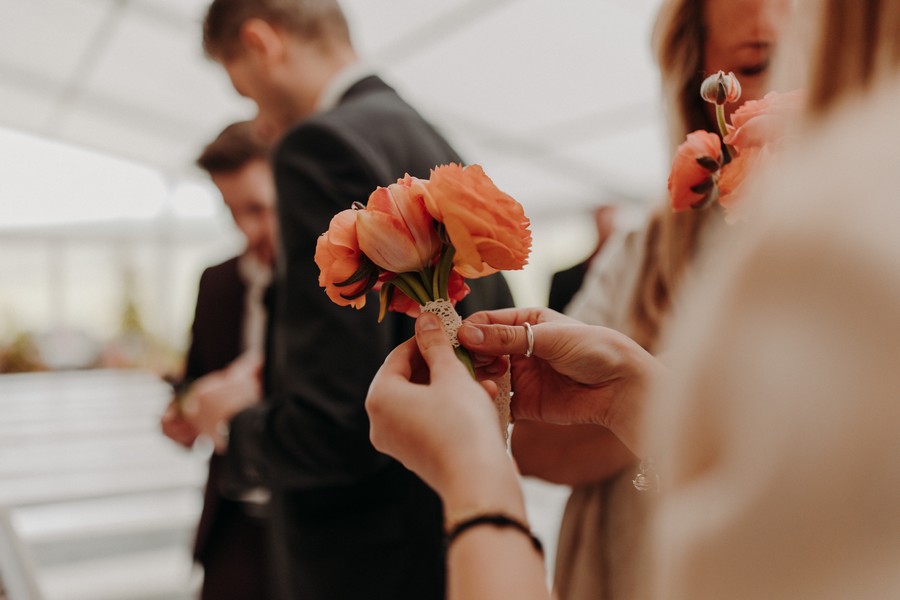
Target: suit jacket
column 349, row 522
column 215, row 342
column 565, row 284
column 229, row 544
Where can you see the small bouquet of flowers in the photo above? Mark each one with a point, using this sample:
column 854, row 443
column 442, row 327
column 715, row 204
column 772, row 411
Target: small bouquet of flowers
column 708, row 168
column 416, row 241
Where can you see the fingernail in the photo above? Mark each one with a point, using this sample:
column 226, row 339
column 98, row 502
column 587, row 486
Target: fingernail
column 471, row 334
column 428, row 322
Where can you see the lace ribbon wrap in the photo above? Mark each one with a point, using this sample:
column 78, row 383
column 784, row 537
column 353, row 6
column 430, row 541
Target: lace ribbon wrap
column 451, row 321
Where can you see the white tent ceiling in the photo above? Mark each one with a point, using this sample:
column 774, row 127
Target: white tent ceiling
column 556, row 98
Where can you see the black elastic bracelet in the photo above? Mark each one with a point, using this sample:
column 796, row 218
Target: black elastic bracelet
column 497, row 520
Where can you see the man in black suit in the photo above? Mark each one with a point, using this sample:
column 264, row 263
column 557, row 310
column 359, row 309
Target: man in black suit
column 349, row 522
column 227, row 335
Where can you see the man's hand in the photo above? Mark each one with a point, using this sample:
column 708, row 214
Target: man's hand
column 215, row 398
column 176, row 427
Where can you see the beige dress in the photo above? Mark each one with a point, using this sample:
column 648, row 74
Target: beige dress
column 601, row 553
column 778, row 435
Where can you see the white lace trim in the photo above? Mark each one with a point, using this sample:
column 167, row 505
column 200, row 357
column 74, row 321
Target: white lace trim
column 450, row 319
column 451, row 322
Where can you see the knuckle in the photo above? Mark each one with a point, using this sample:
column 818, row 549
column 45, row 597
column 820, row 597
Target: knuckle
column 506, row 335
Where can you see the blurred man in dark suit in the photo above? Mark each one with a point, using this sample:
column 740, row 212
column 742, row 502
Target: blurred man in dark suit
column 228, row 335
column 350, row 523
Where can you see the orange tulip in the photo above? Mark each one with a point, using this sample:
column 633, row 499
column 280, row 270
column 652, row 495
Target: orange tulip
column 487, row 227
column 339, row 259
column 693, row 177
column 395, row 231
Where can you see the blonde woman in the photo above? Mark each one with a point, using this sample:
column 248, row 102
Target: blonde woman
column 601, row 553
column 777, row 436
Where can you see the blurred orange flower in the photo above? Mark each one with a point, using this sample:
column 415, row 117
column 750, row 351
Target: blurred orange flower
column 761, row 122
column 487, row 227
column 692, row 180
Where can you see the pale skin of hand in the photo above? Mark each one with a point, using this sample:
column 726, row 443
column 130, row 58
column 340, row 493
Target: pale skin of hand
column 426, row 411
column 215, row 398
column 578, row 374
column 572, row 455
column 176, row 427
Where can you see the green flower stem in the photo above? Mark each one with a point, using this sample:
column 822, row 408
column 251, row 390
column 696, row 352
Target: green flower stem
column 402, row 284
column 723, row 129
column 427, row 277
column 445, row 265
column 465, row 358
column 415, row 285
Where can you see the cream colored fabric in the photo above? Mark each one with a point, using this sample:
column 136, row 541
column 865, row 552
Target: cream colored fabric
column 778, row 437
column 605, row 294
column 600, row 553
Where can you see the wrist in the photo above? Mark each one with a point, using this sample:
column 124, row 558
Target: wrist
column 625, row 411
column 483, row 489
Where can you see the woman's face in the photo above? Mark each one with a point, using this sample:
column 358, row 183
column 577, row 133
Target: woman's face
column 741, row 36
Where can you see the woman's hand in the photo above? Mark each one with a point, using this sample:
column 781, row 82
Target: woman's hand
column 427, row 412
column 577, row 374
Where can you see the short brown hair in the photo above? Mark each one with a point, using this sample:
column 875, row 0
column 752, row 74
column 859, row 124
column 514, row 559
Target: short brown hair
column 310, row 19
column 238, row 144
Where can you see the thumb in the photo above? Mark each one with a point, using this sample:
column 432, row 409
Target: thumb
column 496, row 340
column 434, row 344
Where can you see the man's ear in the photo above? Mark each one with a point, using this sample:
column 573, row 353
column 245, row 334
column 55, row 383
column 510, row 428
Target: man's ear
column 262, row 39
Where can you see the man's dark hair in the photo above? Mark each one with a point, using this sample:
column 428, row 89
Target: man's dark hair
column 238, row 144
column 310, row 19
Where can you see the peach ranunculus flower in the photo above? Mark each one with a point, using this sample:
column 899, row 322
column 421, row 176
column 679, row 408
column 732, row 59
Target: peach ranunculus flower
column 339, row 259
column 762, row 122
column 395, row 230
column 487, row 227
column 692, row 181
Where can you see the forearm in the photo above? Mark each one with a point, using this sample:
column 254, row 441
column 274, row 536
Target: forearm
column 568, row 454
column 488, row 562
column 625, row 413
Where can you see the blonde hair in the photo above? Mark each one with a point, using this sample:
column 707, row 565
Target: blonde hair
column 857, row 44
column 678, row 39
column 671, row 242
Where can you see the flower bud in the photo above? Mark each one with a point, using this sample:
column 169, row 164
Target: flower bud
column 721, row 88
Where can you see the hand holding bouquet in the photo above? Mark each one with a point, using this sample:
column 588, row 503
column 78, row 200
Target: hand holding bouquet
column 416, row 241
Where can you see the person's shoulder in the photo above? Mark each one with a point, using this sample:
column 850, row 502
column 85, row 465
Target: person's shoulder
column 227, row 266
column 369, row 96
column 222, row 275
